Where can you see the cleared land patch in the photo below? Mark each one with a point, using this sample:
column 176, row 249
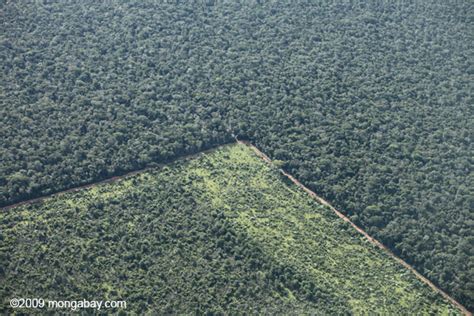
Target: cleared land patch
column 224, row 232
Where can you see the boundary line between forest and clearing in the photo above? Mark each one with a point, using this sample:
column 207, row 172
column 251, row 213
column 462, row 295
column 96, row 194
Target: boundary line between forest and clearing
column 289, row 176
column 357, row 228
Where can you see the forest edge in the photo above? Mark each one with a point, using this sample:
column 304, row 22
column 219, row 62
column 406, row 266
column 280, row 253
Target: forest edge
column 265, row 158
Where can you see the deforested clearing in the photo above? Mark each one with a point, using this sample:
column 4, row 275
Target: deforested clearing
column 224, row 232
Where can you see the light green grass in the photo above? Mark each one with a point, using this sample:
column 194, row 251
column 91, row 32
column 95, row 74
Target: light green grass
column 295, row 230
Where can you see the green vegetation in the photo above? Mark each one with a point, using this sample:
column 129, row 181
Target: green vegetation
column 368, row 103
column 219, row 233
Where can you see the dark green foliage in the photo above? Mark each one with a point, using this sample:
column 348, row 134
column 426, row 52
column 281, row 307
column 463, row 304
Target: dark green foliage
column 368, row 104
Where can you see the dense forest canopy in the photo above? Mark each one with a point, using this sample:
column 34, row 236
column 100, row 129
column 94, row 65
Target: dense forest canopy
column 219, row 234
column 368, row 104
